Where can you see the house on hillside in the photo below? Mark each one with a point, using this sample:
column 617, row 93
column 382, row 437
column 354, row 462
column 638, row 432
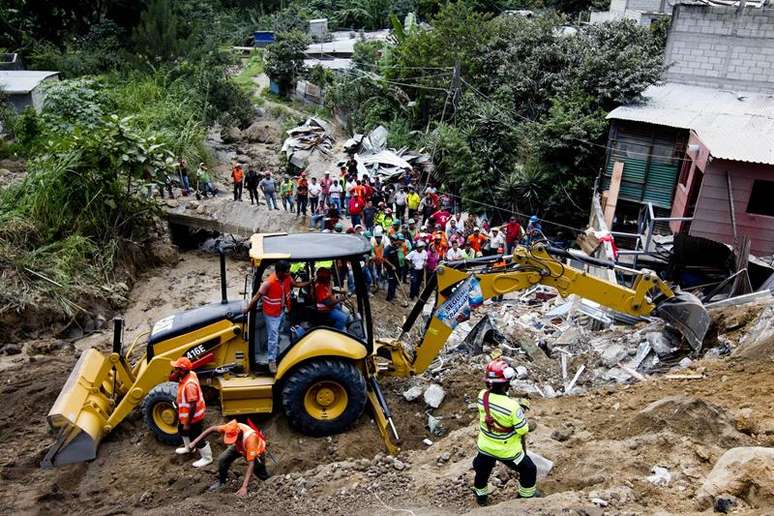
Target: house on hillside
column 701, row 145
column 23, row 87
column 11, row 61
column 697, row 152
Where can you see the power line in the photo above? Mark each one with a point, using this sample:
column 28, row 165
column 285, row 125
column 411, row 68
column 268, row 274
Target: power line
column 599, row 145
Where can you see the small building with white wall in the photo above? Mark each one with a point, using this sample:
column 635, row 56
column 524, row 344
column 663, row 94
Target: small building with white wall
column 24, row 87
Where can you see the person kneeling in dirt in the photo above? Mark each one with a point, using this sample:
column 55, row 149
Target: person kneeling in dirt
column 190, row 410
column 241, row 440
column 502, row 434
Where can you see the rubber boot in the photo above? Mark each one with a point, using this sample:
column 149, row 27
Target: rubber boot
column 206, row 457
column 183, row 450
column 482, row 495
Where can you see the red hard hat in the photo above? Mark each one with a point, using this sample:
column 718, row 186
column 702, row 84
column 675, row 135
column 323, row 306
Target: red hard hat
column 498, row 371
column 182, row 363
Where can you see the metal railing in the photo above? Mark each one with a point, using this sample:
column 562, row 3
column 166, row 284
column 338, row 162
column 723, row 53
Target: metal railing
column 644, row 238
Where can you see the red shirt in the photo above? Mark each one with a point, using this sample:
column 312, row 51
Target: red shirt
column 476, row 242
column 322, row 292
column 355, row 205
column 512, row 232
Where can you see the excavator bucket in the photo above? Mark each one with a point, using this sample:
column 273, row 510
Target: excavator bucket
column 81, row 410
column 685, row 312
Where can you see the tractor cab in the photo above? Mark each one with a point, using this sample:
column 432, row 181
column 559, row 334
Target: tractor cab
column 310, row 256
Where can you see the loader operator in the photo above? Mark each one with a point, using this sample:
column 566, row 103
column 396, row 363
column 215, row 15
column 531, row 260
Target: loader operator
column 502, row 434
column 274, row 294
column 190, row 410
column 241, row 440
column 328, row 302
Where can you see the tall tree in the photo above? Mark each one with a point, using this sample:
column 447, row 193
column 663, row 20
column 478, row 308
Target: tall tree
column 285, row 58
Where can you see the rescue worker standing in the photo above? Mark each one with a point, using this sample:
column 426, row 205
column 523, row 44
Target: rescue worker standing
column 502, row 434
column 241, row 441
column 274, row 294
column 190, row 410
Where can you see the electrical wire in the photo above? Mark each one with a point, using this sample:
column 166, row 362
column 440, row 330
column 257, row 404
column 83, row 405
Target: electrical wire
column 581, row 140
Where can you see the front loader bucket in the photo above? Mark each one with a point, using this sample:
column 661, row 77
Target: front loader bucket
column 685, row 312
column 81, row 410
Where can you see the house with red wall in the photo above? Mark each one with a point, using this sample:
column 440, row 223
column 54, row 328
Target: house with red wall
column 700, row 145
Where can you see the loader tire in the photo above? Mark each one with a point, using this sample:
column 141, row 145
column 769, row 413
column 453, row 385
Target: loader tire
column 160, row 414
column 324, row 396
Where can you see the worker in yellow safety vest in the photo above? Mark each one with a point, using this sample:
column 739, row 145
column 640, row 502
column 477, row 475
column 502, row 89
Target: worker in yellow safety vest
column 502, row 434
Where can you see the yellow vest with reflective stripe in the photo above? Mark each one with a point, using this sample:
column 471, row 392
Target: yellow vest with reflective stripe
column 508, row 413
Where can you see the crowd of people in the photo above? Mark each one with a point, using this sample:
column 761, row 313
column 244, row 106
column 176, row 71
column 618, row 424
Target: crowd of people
column 411, row 228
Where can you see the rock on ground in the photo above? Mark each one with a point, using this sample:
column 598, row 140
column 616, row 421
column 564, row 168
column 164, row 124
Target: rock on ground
column 745, row 472
column 434, row 395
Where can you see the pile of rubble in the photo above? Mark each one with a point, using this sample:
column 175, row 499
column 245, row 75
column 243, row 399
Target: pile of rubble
column 376, row 160
column 566, row 346
column 314, row 137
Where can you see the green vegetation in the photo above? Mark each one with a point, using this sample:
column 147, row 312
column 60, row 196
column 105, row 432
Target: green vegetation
column 523, row 126
column 285, row 58
column 139, row 92
column 252, row 69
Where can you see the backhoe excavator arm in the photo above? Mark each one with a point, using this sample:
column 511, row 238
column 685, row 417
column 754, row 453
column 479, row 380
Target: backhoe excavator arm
column 537, row 266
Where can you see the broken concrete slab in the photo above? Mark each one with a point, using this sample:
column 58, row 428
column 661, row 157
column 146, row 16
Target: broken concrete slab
column 413, row 392
column 613, row 354
column 660, row 343
column 434, row 395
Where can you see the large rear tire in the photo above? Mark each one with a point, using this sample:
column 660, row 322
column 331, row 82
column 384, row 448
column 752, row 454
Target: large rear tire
column 160, row 414
column 324, row 397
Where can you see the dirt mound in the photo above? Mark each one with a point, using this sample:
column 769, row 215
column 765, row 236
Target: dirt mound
column 684, row 415
column 747, row 473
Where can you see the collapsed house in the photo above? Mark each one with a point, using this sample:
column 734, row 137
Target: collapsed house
column 311, row 147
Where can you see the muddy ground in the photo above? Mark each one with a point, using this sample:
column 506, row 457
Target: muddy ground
column 605, row 448
column 604, row 442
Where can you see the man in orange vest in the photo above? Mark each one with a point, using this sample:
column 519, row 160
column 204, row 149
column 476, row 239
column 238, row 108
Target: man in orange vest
column 274, row 294
column 190, row 410
column 238, row 176
column 241, row 441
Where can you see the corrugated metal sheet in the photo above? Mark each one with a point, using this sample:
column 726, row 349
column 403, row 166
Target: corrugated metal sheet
column 734, row 125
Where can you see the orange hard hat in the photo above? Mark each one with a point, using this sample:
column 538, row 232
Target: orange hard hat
column 182, row 363
column 232, row 432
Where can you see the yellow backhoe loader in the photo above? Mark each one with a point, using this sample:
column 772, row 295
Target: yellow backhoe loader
column 325, row 377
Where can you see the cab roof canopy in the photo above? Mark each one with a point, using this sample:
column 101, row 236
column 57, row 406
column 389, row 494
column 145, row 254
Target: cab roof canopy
column 306, row 246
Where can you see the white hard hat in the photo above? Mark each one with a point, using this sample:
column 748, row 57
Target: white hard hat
column 378, row 231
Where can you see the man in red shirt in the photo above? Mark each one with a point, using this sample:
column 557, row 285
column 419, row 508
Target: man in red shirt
column 355, row 208
column 242, row 441
column 513, row 234
column 327, row 301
